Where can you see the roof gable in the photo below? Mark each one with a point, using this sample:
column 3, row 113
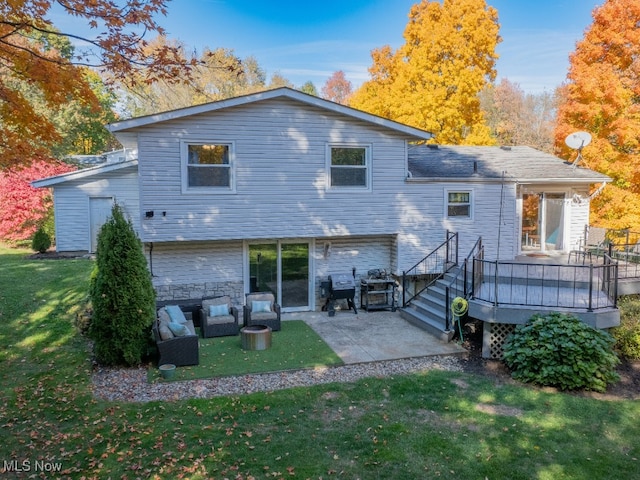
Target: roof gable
column 283, row 92
column 83, row 173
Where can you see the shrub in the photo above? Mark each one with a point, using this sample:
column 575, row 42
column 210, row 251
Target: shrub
column 561, row 351
column 627, row 335
column 83, row 319
column 121, row 294
column 41, row 241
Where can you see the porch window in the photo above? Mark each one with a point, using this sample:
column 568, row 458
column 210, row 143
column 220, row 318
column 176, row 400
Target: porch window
column 459, row 204
column 349, row 167
column 207, row 167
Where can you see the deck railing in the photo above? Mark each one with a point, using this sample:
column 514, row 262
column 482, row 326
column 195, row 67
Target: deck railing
column 461, row 285
column 591, row 287
column 624, row 246
column 432, row 267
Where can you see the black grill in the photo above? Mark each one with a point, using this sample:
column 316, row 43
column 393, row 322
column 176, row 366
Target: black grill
column 342, row 286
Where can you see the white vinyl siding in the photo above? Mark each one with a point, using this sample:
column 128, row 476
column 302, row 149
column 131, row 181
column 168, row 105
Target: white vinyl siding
column 280, row 175
column 72, row 206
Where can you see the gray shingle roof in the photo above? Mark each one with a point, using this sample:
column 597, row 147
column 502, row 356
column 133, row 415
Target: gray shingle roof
column 522, row 164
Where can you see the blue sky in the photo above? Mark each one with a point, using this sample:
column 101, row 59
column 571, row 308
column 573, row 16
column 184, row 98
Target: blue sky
column 309, row 41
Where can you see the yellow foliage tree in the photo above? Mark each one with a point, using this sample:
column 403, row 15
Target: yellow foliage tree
column 602, row 97
column 433, row 81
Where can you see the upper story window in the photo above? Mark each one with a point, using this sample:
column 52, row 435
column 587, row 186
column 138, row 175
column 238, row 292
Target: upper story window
column 459, row 204
column 208, row 167
column 349, row 167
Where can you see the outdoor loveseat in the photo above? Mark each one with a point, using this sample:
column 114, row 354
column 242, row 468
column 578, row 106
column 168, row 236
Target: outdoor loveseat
column 175, row 337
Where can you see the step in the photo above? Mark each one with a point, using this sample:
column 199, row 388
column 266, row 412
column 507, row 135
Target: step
column 429, row 310
column 425, row 323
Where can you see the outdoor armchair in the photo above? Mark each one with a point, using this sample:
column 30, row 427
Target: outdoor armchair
column 262, row 309
column 218, row 317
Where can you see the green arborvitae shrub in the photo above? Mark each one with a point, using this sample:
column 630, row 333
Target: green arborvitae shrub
column 121, row 294
column 627, row 335
column 41, row 241
column 561, row 351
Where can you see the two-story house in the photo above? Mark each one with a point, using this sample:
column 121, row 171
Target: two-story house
column 278, row 189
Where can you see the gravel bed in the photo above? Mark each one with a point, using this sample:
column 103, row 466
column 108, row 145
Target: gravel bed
column 131, row 385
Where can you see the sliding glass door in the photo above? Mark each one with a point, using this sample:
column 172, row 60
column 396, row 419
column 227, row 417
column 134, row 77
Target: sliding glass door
column 281, row 268
column 542, row 221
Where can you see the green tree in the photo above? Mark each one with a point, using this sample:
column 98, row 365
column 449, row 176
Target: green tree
column 122, row 295
column 309, row 88
column 433, row 81
column 83, row 129
column 602, row 97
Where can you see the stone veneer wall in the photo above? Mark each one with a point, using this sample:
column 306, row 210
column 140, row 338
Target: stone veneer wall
column 198, row 290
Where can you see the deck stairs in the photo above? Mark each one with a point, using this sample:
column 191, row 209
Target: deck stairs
column 428, row 310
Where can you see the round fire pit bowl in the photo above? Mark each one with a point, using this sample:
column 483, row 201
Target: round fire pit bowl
column 256, row 337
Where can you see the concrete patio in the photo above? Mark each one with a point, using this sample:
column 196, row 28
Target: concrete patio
column 373, row 336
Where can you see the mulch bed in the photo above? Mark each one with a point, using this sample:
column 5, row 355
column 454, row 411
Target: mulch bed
column 628, row 388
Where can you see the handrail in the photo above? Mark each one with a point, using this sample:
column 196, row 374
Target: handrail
column 467, row 289
column 628, row 255
column 435, row 263
column 591, row 287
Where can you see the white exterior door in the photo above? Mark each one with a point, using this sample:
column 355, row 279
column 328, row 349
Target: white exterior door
column 99, row 212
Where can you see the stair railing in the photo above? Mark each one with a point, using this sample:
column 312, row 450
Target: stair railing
column 438, row 262
column 454, row 289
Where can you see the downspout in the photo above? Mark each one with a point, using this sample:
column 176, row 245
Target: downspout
column 500, row 215
column 151, row 258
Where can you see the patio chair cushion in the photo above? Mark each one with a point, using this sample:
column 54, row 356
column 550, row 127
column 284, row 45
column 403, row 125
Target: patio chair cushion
column 259, row 316
column 164, row 331
column 218, row 310
column 179, row 329
column 163, row 316
column 175, row 313
column 163, row 325
column 260, row 306
column 220, row 319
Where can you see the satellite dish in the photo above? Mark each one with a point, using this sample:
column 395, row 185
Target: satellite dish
column 578, row 141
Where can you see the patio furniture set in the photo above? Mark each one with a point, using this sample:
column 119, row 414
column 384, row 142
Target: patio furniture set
column 175, row 333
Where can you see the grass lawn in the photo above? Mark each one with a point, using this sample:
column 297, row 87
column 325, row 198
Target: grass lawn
column 431, row 425
column 295, row 346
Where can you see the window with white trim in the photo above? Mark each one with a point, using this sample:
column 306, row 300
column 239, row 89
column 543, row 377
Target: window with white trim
column 207, row 167
column 459, row 204
column 349, row 167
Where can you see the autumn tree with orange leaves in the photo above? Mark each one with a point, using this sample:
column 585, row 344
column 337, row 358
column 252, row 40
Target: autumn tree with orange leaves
column 337, row 88
column 28, row 54
column 602, row 97
column 433, row 81
column 519, row 118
